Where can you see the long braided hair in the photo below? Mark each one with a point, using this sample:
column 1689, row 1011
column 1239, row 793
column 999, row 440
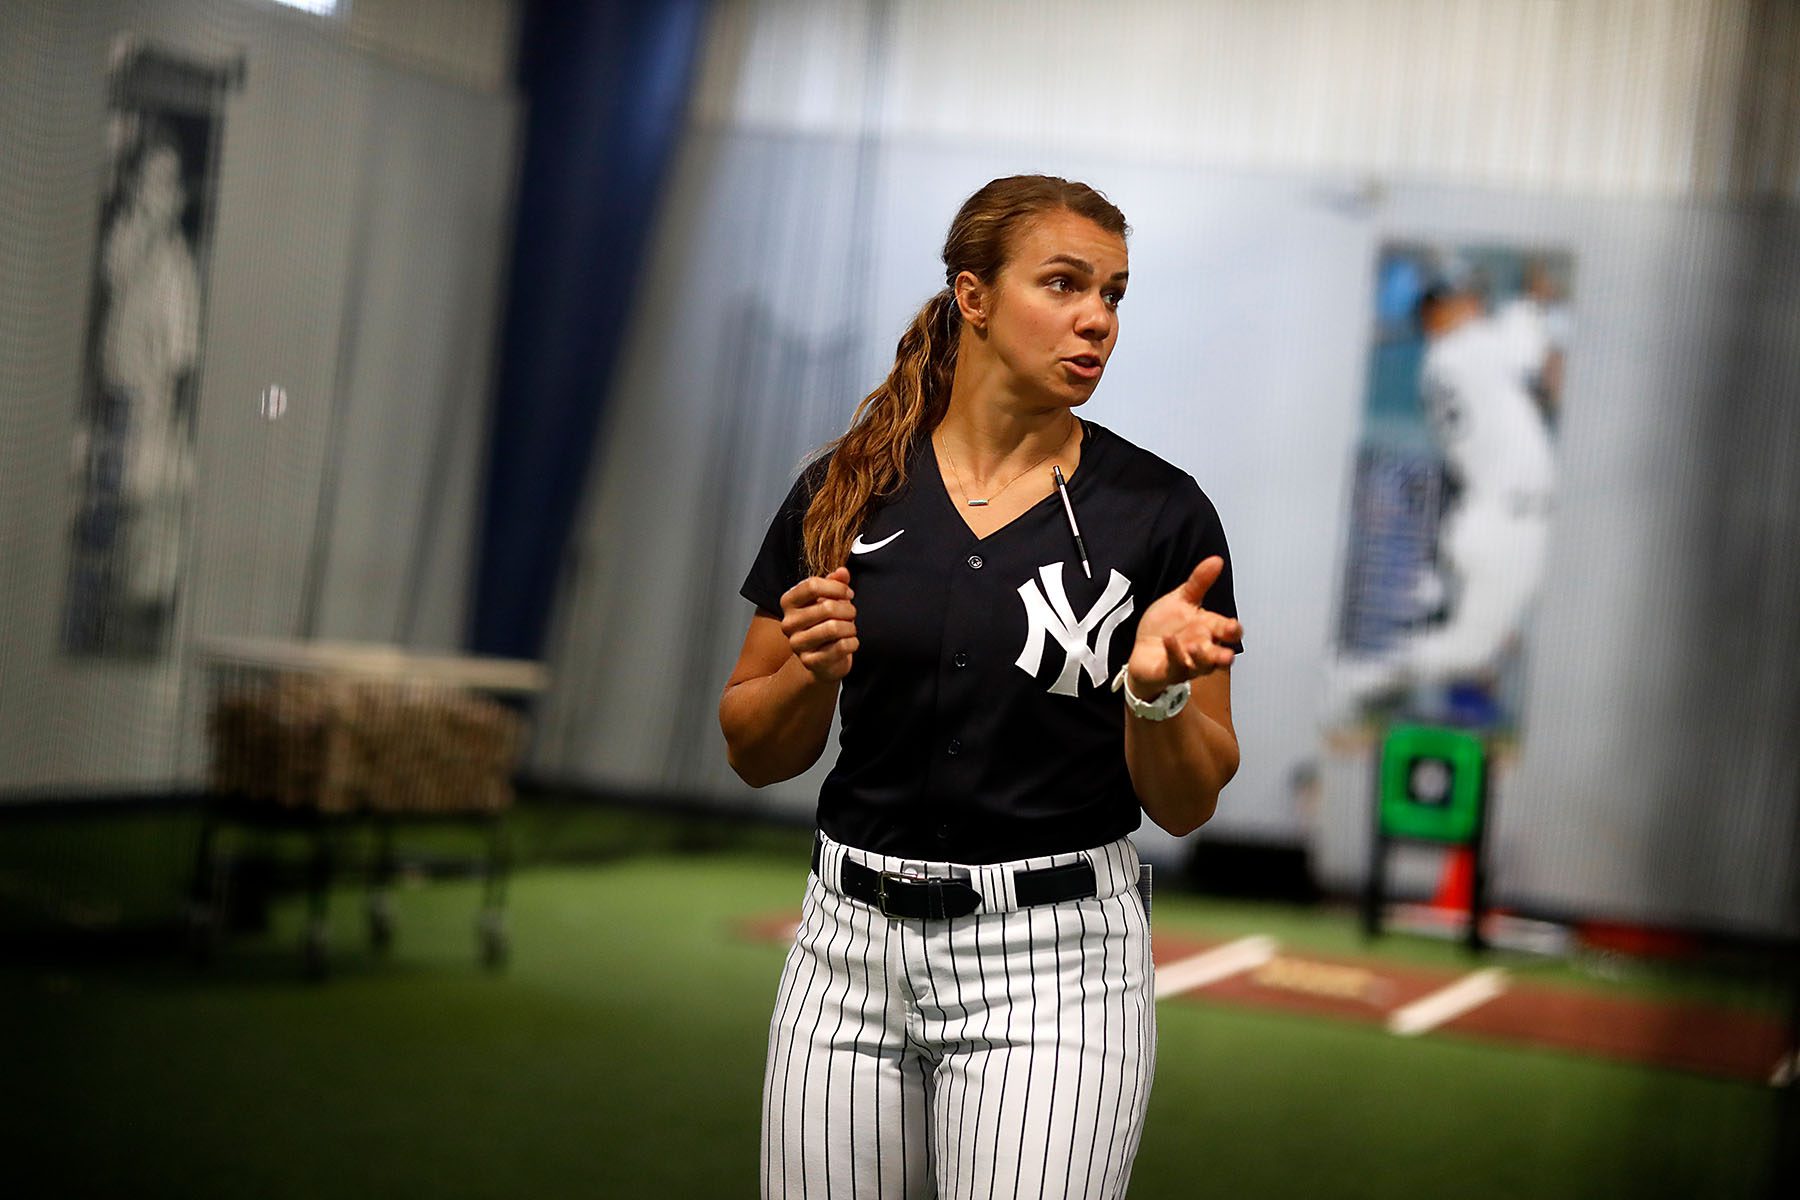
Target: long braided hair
column 869, row 461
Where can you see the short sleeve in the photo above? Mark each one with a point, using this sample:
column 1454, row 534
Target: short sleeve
column 1186, row 531
column 781, row 563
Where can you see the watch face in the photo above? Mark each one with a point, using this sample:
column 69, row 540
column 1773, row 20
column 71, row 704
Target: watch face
column 1166, row 705
column 1176, row 698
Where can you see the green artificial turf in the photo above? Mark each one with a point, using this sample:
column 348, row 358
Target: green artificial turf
column 620, row 1054
column 1264, row 1104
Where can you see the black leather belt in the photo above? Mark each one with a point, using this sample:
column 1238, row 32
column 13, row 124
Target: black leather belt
column 897, row 895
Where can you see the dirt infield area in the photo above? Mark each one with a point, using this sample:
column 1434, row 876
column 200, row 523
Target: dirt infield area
column 1486, row 1004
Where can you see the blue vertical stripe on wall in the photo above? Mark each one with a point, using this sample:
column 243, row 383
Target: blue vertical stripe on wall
column 607, row 84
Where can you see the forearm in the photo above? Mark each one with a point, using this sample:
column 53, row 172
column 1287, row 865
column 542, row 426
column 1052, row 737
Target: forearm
column 776, row 725
column 1179, row 766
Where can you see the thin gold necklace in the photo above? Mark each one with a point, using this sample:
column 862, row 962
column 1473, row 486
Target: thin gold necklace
column 972, row 503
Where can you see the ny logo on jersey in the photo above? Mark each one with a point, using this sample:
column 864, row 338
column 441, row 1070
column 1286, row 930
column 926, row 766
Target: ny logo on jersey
column 1047, row 611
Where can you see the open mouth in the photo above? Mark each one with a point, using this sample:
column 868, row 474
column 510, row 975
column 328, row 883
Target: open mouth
column 1085, row 361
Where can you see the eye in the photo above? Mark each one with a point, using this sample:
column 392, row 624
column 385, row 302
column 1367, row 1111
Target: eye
column 1061, row 283
column 1114, row 297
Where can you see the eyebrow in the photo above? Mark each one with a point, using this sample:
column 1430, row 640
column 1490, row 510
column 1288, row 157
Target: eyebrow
column 1080, row 264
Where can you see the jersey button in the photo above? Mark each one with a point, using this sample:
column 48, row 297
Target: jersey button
column 954, row 748
column 943, row 832
column 960, row 658
column 975, row 562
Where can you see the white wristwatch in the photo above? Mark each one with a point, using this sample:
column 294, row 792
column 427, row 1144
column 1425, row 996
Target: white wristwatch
column 1171, row 701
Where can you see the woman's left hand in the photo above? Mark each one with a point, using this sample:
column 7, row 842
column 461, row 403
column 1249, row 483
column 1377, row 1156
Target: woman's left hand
column 1178, row 640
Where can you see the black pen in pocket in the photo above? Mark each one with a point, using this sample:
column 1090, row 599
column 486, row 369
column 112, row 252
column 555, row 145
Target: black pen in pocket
column 1062, row 489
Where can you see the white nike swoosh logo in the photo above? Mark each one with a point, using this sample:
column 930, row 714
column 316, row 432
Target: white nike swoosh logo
column 861, row 547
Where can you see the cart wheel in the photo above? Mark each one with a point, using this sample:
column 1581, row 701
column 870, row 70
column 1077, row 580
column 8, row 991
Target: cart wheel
column 381, row 923
column 495, row 945
column 314, row 950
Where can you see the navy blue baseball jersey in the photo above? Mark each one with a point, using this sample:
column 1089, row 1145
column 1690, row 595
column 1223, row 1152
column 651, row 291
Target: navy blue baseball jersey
column 977, row 720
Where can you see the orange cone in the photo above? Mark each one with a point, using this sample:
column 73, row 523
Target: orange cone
column 1456, row 888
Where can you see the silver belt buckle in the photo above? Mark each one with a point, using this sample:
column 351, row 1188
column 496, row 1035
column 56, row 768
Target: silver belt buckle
column 881, row 887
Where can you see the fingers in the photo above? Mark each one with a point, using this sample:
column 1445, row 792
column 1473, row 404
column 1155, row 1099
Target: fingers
column 817, row 637
column 1201, row 579
column 1181, row 658
column 1199, row 647
column 1192, row 655
column 818, row 601
column 833, row 662
column 1212, row 636
column 819, row 620
column 795, row 619
column 835, row 586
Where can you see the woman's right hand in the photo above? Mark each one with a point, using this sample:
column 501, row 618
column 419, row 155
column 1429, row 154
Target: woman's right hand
column 820, row 623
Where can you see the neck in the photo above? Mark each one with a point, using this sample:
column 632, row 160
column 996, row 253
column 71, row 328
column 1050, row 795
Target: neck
column 989, row 428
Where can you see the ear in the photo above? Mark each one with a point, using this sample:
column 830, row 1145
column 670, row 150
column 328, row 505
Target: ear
column 973, row 299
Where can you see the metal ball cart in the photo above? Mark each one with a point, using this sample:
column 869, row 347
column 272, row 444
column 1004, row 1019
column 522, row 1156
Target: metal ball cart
column 340, row 740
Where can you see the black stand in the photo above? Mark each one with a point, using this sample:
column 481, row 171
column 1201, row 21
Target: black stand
column 1374, row 897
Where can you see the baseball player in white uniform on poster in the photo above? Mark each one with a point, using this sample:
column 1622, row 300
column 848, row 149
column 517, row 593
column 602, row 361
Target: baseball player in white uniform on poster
column 1027, row 625
column 1487, row 384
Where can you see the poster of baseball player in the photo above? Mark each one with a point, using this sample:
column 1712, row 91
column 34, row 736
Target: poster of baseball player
column 1455, row 485
column 132, row 454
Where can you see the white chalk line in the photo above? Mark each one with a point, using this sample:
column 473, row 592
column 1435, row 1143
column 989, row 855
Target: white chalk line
column 1447, row 1003
column 1210, row 966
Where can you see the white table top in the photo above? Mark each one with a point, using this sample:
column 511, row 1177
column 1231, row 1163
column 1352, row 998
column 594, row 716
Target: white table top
column 381, row 662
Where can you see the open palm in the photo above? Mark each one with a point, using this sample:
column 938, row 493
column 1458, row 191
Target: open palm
column 1179, row 639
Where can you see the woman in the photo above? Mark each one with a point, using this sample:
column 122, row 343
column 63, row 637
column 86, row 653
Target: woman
column 967, row 1009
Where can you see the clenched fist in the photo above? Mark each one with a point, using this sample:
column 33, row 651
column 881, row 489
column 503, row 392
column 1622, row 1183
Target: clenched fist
column 820, row 623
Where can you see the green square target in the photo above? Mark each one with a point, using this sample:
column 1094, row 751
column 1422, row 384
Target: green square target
column 1432, row 783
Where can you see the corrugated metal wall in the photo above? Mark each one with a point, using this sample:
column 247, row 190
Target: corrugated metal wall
column 1611, row 97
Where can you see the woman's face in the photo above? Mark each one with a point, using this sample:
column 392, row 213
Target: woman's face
column 1052, row 317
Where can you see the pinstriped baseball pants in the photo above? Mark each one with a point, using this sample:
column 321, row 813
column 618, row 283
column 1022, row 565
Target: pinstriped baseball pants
column 1008, row 1053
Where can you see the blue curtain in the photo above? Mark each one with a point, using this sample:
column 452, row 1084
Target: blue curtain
column 607, row 83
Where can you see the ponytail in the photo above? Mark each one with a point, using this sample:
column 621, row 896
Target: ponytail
column 868, row 462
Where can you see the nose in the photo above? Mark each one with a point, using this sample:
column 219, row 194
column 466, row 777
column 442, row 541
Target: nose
column 1094, row 320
